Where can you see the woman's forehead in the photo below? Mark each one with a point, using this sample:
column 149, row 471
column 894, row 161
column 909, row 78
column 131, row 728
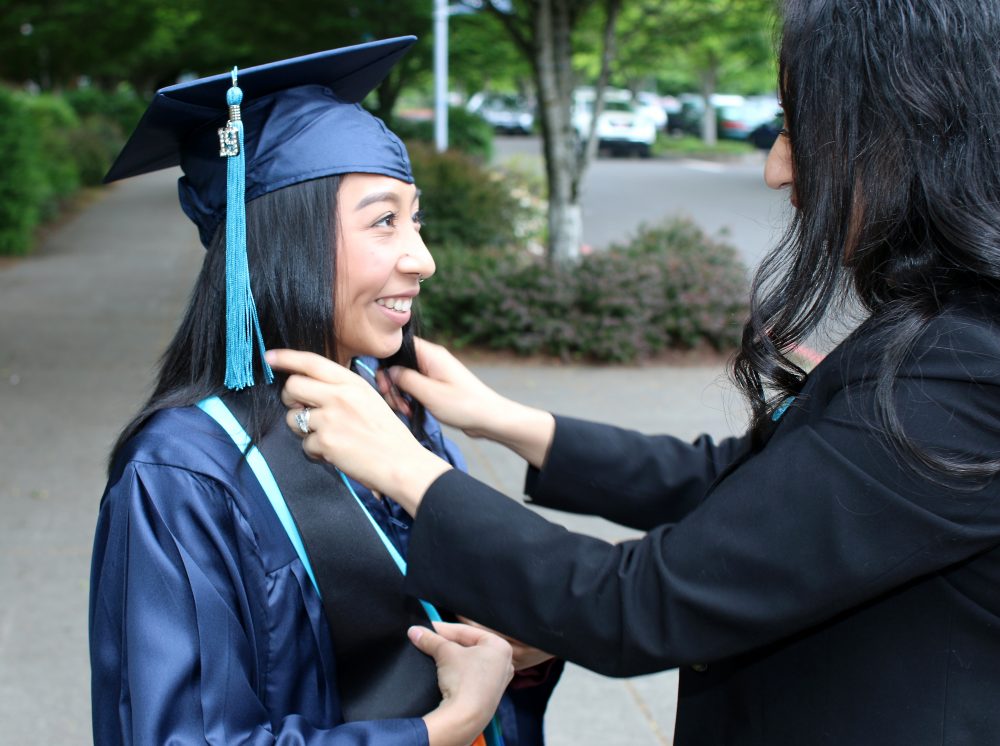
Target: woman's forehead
column 358, row 190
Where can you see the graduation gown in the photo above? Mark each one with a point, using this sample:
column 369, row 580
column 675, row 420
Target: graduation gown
column 204, row 624
column 813, row 589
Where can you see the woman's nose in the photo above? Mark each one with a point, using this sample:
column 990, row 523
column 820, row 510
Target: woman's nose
column 416, row 259
column 778, row 168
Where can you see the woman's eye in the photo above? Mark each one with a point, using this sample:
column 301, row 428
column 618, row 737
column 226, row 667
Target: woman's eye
column 386, row 221
column 419, row 218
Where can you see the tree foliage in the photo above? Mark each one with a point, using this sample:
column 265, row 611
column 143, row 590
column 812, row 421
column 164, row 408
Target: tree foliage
column 707, row 45
column 150, row 43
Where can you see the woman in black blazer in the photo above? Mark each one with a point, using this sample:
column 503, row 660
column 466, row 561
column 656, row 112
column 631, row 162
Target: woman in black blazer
column 832, row 577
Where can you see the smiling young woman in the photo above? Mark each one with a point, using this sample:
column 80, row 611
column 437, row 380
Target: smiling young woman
column 240, row 591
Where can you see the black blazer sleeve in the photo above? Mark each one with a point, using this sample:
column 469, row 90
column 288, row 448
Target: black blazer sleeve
column 822, row 519
column 625, row 476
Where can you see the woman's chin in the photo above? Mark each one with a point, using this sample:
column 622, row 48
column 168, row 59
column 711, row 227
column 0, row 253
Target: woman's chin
column 382, row 350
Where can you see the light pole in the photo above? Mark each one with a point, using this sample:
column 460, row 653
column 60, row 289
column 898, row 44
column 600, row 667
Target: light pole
column 441, row 13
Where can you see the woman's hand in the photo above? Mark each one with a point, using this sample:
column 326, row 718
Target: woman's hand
column 523, row 655
column 456, row 397
column 474, row 668
column 447, row 388
column 352, row 428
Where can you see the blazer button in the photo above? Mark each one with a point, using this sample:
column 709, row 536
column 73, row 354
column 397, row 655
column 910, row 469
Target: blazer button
column 699, row 667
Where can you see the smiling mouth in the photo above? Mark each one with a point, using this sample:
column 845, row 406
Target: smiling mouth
column 402, row 305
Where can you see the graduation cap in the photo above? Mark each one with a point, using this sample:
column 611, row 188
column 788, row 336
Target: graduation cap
column 240, row 135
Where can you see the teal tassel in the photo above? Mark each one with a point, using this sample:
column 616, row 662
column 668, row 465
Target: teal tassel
column 241, row 311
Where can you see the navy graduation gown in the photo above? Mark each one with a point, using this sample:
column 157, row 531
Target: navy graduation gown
column 204, row 625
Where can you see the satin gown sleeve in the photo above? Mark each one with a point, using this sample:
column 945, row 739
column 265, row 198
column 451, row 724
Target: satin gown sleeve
column 183, row 626
column 820, row 520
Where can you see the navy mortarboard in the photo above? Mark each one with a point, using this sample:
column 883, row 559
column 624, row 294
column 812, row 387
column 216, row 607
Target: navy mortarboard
column 237, row 136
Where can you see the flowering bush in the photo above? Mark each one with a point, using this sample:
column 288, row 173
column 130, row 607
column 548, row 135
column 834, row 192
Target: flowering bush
column 671, row 287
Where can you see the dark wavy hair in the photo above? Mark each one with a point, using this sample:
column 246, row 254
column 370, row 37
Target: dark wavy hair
column 892, row 108
column 291, row 248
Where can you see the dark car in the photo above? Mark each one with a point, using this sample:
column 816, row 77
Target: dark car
column 764, row 135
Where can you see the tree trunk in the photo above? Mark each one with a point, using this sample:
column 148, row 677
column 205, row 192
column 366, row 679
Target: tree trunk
column 544, row 36
column 388, row 93
column 565, row 230
column 554, row 81
column 709, row 124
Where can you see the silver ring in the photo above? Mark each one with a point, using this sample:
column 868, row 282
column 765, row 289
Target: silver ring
column 302, row 420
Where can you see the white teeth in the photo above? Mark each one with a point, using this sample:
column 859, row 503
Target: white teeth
column 396, row 304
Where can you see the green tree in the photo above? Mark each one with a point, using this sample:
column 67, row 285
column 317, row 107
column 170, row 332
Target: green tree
column 545, row 32
column 150, row 43
column 481, row 56
column 53, row 43
column 705, row 41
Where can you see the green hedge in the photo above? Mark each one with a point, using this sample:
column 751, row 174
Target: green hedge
column 469, row 205
column 55, row 122
column 106, row 119
column 50, row 146
column 469, row 133
column 672, row 287
column 22, row 182
column 121, row 108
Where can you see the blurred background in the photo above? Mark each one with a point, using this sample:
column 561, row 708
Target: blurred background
column 591, row 175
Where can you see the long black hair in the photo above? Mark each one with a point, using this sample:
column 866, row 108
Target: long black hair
column 892, row 108
column 291, row 249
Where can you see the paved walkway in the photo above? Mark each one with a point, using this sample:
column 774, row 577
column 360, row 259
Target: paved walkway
column 82, row 322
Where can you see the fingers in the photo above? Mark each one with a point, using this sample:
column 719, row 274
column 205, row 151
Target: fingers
column 413, row 382
column 392, row 395
column 426, row 641
column 423, row 350
column 306, row 391
column 467, row 635
column 308, row 364
column 434, row 642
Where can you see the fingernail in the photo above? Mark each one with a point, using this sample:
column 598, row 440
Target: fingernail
column 269, row 356
column 394, row 372
column 415, row 632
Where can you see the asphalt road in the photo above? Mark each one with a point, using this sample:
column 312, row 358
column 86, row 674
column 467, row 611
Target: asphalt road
column 620, row 194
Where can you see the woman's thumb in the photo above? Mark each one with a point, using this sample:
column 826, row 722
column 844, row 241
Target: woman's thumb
column 412, row 382
column 425, row 640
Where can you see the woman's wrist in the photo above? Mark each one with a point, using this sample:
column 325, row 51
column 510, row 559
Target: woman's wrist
column 411, row 475
column 453, row 725
column 525, row 430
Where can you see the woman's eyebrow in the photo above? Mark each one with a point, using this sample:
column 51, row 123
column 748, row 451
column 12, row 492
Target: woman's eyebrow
column 374, row 197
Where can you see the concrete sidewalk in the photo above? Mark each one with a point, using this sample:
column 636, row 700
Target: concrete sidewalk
column 82, row 322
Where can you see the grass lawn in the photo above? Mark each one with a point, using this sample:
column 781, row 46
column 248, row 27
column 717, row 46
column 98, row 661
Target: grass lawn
column 693, row 147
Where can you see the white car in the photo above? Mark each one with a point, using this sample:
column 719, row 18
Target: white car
column 652, row 106
column 621, row 128
column 508, row 113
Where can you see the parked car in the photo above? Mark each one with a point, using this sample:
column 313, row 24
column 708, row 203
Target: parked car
column 652, row 107
column 506, row 112
column 738, row 120
column 764, row 135
column 622, row 127
column 735, row 116
column 688, row 117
